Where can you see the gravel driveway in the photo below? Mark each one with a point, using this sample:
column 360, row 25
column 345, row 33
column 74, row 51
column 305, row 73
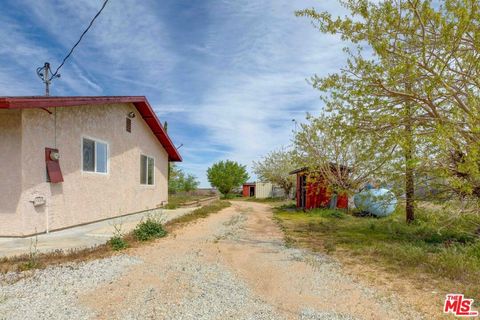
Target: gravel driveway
column 232, row 265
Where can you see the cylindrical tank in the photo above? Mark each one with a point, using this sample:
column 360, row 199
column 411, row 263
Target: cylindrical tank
column 378, row 202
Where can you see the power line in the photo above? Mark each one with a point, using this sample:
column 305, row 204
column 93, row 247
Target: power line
column 43, row 72
column 80, row 39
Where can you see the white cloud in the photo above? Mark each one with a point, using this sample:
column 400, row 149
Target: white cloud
column 127, row 42
column 229, row 88
column 268, row 53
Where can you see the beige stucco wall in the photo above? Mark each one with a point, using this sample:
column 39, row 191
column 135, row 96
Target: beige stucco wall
column 10, row 170
column 83, row 196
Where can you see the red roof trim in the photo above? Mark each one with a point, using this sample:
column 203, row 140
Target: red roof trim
column 140, row 102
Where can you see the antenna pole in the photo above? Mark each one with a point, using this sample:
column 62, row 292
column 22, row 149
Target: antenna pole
column 46, row 79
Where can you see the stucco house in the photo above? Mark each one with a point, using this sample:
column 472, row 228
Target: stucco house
column 66, row 161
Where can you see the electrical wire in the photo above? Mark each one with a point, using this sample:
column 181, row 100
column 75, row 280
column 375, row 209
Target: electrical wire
column 79, row 40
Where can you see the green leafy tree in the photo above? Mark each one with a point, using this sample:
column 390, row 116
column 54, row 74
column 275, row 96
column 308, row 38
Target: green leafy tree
column 176, row 179
column 190, row 183
column 227, row 175
column 418, row 84
column 179, row 181
column 275, row 167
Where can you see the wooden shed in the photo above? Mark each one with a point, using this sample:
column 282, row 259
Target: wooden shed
column 248, row 189
column 313, row 192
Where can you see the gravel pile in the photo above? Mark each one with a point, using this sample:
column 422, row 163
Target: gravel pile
column 52, row 293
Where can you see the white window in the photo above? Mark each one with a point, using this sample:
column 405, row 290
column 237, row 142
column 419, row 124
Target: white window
column 147, row 174
column 95, row 156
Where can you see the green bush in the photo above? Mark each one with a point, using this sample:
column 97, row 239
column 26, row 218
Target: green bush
column 149, row 229
column 117, row 243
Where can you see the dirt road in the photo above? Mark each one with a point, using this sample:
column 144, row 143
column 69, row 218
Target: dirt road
column 231, row 265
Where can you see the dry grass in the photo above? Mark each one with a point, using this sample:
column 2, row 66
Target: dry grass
column 177, row 200
column 199, row 213
column 34, row 260
column 427, row 252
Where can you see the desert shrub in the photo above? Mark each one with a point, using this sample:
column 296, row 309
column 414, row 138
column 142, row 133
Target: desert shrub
column 117, row 243
column 149, row 229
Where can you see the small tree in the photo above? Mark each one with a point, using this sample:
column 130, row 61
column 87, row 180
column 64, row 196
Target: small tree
column 179, row 181
column 175, row 179
column 226, row 175
column 275, row 168
column 190, row 183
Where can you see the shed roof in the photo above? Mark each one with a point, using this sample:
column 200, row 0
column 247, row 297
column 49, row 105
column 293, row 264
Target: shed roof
column 333, row 166
column 140, row 102
column 300, row 170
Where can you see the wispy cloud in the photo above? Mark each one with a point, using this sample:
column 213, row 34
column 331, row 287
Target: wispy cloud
column 229, row 76
column 268, row 53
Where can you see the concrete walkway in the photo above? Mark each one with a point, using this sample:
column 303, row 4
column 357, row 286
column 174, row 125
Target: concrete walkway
column 84, row 236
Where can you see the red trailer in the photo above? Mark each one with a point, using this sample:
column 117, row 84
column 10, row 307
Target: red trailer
column 248, row 189
column 313, row 192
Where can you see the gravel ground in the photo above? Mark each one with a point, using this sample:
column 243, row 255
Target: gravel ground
column 52, row 293
column 213, row 293
column 232, row 265
column 315, row 315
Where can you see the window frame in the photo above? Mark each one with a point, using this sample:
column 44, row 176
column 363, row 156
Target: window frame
column 146, row 171
column 107, row 164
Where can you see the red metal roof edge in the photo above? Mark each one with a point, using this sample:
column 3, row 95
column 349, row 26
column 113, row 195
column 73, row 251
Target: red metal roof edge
column 140, row 102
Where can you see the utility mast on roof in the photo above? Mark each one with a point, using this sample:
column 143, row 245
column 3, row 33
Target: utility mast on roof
column 43, row 73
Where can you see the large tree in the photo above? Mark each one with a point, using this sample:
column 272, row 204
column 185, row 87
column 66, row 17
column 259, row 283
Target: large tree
column 275, row 167
column 417, row 83
column 227, row 175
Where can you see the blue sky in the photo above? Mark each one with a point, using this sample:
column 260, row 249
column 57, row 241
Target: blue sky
column 228, row 75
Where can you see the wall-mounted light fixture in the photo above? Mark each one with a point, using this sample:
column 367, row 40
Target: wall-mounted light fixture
column 131, row 114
